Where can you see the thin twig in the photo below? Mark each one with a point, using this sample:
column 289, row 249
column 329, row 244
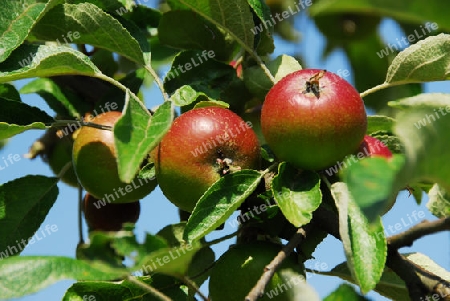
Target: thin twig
column 405, row 270
column 80, row 208
column 258, row 290
column 149, row 288
column 226, row 237
column 424, row 228
column 194, row 286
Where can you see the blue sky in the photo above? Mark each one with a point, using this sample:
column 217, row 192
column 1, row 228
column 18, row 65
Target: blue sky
column 157, row 212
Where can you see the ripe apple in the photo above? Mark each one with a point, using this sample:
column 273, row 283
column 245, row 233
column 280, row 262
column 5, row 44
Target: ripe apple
column 201, row 146
column 238, row 270
column 313, row 118
column 372, row 147
column 94, row 161
column 109, row 216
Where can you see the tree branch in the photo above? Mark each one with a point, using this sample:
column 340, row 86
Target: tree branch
column 419, row 281
column 408, row 237
column 258, row 290
column 405, row 270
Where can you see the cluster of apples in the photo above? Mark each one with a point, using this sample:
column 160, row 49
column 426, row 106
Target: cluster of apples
column 311, row 118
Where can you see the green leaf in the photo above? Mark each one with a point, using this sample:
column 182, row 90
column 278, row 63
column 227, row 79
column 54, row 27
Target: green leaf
column 200, row 34
column 256, row 80
column 370, row 70
column 265, row 43
column 411, row 11
column 10, row 130
column 345, row 292
column 200, row 266
column 439, row 201
column 220, row 201
column 9, row 92
column 17, row 117
column 202, row 75
column 171, row 261
column 201, row 262
column 123, row 290
column 215, row 79
column 297, row 195
column 44, row 61
column 428, row 266
column 364, row 244
column 24, row 204
column 424, row 101
column 390, row 285
column 420, row 125
column 86, row 23
column 16, row 20
column 148, row 172
column 377, row 123
column 62, row 102
column 20, row 276
column 186, row 95
column 136, row 133
column 211, row 103
column 19, row 113
column 233, row 16
column 428, row 60
column 370, row 182
column 126, row 244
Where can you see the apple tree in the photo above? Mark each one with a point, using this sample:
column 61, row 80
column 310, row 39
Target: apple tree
column 291, row 147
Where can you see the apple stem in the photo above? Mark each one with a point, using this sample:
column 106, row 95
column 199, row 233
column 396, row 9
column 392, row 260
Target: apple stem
column 90, row 124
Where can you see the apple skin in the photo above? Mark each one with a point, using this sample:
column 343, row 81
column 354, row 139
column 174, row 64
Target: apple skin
column 109, row 217
column 59, row 156
column 239, row 268
column 372, row 147
column 94, row 159
column 187, row 160
column 313, row 130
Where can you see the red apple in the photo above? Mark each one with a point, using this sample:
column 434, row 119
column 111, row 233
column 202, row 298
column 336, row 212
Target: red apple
column 201, row 146
column 313, row 118
column 95, row 164
column 105, row 216
column 372, row 147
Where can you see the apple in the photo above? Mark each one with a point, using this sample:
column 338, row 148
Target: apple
column 313, row 118
column 202, row 145
column 239, row 269
column 59, row 156
column 95, row 163
column 372, row 147
column 109, row 216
